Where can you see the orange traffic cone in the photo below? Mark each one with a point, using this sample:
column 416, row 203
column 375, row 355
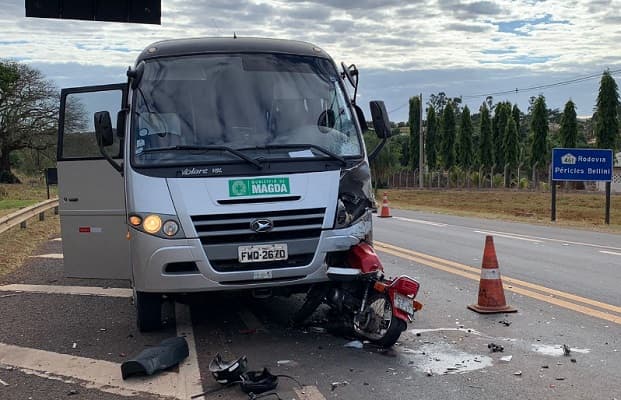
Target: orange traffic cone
column 491, row 294
column 385, row 211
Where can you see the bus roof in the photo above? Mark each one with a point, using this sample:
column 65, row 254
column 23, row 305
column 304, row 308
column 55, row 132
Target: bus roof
column 182, row 47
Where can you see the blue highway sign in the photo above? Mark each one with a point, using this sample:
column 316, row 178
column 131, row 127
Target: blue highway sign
column 581, row 165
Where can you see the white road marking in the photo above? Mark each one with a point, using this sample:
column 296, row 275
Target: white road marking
column 508, row 236
column 69, row 290
column 52, row 255
column 598, row 246
column 309, row 393
column 189, row 379
column 94, row 374
column 610, row 252
column 420, row 221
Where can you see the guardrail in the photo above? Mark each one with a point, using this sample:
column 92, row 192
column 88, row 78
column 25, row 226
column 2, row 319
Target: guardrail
column 20, row 217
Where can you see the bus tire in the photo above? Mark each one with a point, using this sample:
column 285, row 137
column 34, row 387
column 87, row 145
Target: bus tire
column 148, row 311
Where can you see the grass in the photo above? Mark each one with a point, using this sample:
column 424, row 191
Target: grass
column 16, row 196
column 17, row 244
column 584, row 210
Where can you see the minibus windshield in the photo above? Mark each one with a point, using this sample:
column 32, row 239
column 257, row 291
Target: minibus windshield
column 241, row 102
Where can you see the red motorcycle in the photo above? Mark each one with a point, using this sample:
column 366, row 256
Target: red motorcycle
column 363, row 300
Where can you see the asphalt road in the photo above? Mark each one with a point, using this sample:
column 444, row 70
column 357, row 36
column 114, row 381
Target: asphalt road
column 62, row 345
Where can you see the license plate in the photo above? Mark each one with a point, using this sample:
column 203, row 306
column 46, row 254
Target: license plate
column 404, row 303
column 262, row 253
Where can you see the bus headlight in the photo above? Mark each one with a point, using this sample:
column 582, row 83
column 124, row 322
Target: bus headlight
column 152, row 224
column 170, row 228
column 162, row 225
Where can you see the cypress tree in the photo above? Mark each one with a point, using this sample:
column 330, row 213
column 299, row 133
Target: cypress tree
column 431, row 138
column 539, row 133
column 502, row 115
column 448, row 136
column 569, row 126
column 607, row 124
column 486, row 158
column 515, row 113
column 465, row 156
column 511, row 144
column 414, row 123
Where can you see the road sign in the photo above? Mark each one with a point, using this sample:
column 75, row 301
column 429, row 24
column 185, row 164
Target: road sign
column 581, row 165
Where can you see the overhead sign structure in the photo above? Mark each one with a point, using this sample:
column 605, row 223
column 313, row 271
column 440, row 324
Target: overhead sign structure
column 582, row 164
column 136, row 11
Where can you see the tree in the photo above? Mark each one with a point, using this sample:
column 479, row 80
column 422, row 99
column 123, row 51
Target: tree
column 607, row 124
column 387, row 161
column 431, row 138
column 501, row 116
column 569, row 126
column 414, row 122
column 539, row 133
column 28, row 113
column 511, row 147
column 515, row 114
column 438, row 101
column 486, row 158
column 464, row 155
column 448, row 137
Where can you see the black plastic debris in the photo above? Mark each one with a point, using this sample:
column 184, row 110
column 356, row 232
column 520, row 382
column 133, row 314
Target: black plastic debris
column 495, row 348
column 227, row 372
column 505, row 322
column 258, row 381
column 566, row 350
column 167, row 354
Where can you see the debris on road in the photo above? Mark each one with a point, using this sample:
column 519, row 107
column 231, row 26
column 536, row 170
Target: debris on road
column 560, row 378
column 75, row 345
column 168, row 353
column 286, row 363
column 573, row 360
column 72, row 392
column 3, row 383
column 517, row 373
column 257, row 382
column 317, row 329
column 506, row 359
column 566, row 350
column 505, row 322
column 334, row 385
column 495, row 348
column 429, row 372
column 354, row 344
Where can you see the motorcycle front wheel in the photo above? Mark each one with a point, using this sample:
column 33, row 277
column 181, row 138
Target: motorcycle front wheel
column 377, row 322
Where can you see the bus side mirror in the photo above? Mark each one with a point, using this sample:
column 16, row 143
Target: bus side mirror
column 103, row 129
column 381, row 123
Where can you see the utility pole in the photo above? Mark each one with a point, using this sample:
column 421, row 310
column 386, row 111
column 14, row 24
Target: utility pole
column 421, row 164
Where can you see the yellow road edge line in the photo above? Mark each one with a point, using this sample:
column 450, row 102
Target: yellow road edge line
column 513, row 281
column 538, row 296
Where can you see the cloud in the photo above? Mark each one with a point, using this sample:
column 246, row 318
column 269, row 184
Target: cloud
column 386, row 38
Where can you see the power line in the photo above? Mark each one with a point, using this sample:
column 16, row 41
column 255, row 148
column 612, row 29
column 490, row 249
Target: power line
column 539, row 87
column 530, row 88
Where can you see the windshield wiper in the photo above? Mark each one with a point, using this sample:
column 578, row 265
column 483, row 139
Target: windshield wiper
column 320, row 149
column 206, row 148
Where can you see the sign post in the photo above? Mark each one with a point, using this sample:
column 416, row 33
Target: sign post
column 581, row 165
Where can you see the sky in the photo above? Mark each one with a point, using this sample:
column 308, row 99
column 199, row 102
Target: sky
column 401, row 48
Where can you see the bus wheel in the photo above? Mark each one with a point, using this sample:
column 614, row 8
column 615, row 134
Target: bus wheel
column 148, row 311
